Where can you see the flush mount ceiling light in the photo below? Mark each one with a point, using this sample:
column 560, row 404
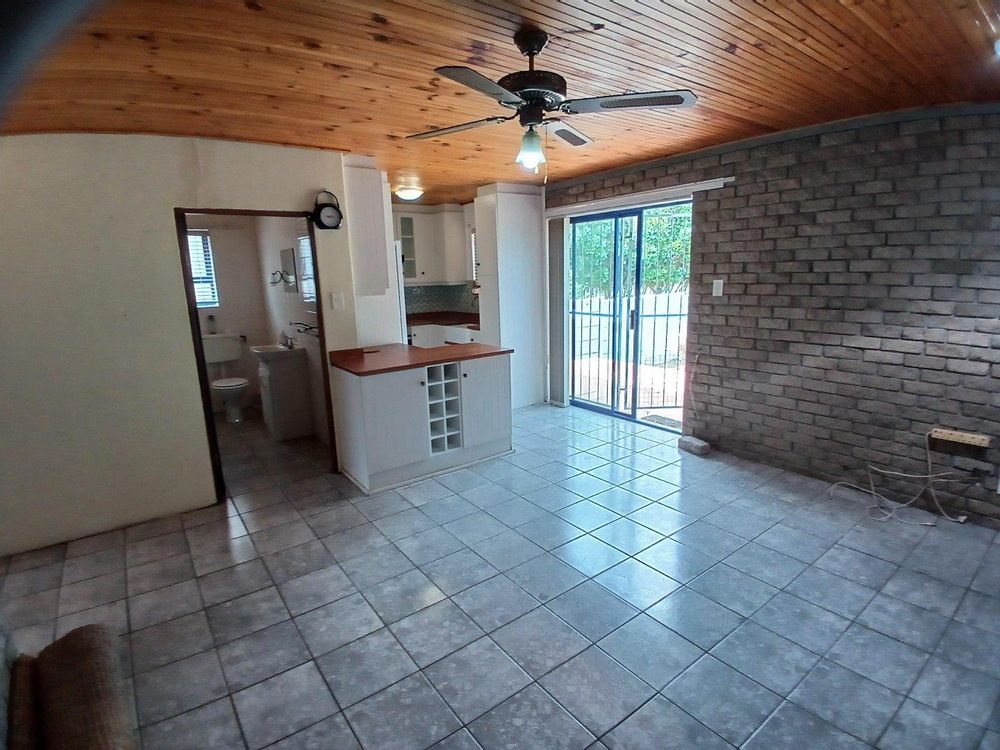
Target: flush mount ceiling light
column 531, row 153
column 409, row 193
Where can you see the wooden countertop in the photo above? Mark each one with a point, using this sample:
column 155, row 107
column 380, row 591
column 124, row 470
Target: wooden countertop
column 373, row 360
column 443, row 318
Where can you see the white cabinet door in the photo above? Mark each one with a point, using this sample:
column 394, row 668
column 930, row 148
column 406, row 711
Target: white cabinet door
column 486, row 400
column 396, row 420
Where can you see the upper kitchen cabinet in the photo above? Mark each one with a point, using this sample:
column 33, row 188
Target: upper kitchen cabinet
column 433, row 243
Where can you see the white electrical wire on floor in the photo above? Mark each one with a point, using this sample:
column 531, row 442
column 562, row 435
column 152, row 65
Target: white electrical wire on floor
column 891, row 510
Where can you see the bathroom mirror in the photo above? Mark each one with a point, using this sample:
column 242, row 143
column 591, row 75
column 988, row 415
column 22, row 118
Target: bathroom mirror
column 288, row 270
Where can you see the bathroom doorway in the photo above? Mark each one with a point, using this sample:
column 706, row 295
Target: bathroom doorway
column 257, row 328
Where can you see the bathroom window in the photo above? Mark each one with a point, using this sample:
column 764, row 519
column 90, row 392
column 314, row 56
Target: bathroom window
column 307, row 274
column 206, row 291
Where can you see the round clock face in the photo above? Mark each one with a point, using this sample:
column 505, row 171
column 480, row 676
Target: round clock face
column 329, row 216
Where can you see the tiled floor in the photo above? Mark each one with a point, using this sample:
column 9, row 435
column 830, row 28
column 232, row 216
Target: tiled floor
column 595, row 589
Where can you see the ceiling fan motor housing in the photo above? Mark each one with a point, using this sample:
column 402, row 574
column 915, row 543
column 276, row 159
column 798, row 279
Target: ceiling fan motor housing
column 536, row 87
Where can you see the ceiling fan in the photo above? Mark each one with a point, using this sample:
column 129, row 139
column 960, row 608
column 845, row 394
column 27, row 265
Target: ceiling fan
column 533, row 94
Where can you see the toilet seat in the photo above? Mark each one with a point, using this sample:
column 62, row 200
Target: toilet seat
column 227, row 383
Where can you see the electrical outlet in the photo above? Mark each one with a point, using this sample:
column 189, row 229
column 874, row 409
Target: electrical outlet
column 717, row 287
column 957, row 436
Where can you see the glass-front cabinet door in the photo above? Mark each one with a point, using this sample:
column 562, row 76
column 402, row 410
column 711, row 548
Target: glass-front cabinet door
column 408, row 247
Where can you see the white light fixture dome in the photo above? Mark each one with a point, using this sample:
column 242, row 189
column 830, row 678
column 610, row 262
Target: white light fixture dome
column 531, row 153
column 409, row 193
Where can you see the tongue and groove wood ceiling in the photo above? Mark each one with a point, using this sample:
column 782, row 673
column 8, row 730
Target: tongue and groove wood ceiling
column 358, row 76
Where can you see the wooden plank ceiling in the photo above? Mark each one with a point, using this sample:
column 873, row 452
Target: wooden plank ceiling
column 358, row 76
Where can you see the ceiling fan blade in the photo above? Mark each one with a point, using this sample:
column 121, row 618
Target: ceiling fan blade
column 646, row 100
column 566, row 132
column 479, row 82
column 458, row 128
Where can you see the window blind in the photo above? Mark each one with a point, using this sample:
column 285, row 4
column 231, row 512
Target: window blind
column 206, row 291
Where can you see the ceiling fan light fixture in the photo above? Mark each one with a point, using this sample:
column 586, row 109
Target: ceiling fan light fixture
column 531, row 153
column 408, row 193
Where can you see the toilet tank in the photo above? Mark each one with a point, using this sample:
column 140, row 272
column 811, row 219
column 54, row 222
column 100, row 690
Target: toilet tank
column 222, row 347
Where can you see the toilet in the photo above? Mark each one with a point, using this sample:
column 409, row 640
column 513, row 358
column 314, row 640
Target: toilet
column 221, row 348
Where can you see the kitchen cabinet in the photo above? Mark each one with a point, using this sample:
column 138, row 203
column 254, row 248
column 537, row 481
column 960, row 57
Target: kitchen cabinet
column 433, row 243
column 448, row 407
column 431, row 335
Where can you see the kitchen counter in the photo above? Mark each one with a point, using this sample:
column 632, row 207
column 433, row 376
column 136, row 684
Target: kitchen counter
column 374, row 360
column 443, row 319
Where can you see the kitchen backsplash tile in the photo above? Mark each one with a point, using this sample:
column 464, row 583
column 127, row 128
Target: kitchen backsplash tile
column 444, row 298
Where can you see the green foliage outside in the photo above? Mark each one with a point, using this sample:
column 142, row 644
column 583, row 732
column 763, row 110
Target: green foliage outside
column 666, row 249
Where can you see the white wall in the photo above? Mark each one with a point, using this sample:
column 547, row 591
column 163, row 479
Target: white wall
column 274, row 234
column 102, row 416
column 513, row 277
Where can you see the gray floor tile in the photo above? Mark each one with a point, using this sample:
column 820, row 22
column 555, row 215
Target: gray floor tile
column 765, row 564
column 592, row 610
column 904, row 621
column 515, row 511
column 355, row 541
column 831, row 592
column 791, row 728
column 597, row 690
column 650, row 650
column 801, row 622
column 462, row 480
column 917, row 727
column 794, row 543
column 487, row 494
column 587, row 515
column 658, row 720
column 628, row 536
column 155, row 548
column 766, row 657
column 856, row 566
column 844, row 698
column 75, row 597
column 244, row 615
column 230, row 583
column 315, row 589
column 449, row 508
column 435, row 632
column 638, row 584
column 732, row 589
column 114, row 615
column 409, row 714
column 924, row 591
column 494, row 602
column 297, row 561
column 169, row 641
column 210, row 557
column 365, row 666
column 696, row 617
column 283, row 704
column 507, row 550
column 376, row 566
column 585, row 485
column 263, row 654
column 476, row 678
column 958, row 691
column 382, row 505
column 337, row 623
column 980, row 611
column 709, row 540
column 676, row 560
column 971, row 647
column 721, row 698
column 545, row 577
column 459, row 571
column 738, row 521
column 401, row 525
column 156, row 574
column 589, row 555
column 475, row 527
column 178, row 687
column 282, row 537
column 622, row 501
column 403, row 595
column 878, row 657
column 213, row 725
column 539, row 641
column 332, row 732
column 530, row 719
column 164, row 604
column 549, row 531
column 338, row 518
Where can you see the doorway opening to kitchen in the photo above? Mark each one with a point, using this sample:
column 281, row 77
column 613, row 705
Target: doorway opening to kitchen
column 257, row 328
column 629, row 275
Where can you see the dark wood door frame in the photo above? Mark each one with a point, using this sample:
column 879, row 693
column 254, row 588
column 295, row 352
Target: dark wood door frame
column 180, row 219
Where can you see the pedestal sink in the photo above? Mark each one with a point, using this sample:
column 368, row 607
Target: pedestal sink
column 284, row 390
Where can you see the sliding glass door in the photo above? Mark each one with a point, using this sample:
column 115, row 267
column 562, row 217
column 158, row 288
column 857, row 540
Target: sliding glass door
column 628, row 311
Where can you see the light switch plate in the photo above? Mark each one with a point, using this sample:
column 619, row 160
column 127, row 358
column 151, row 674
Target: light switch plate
column 717, row 287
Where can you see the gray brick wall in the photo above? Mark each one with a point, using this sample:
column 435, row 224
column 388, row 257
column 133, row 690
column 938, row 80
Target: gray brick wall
column 862, row 297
